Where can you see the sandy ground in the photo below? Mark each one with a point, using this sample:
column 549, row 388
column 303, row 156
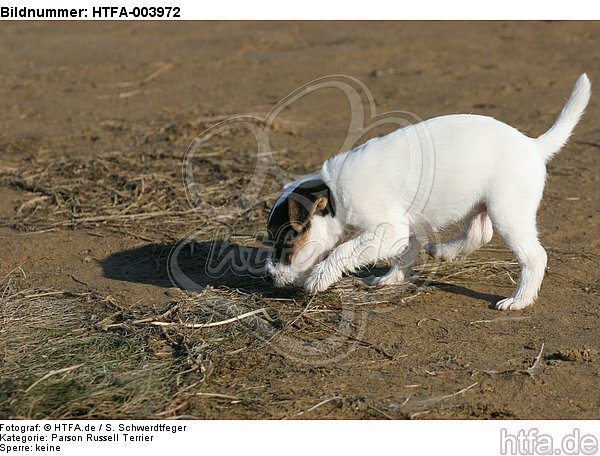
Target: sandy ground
column 129, row 98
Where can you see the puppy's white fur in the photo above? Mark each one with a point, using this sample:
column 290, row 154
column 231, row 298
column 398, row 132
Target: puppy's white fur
column 428, row 176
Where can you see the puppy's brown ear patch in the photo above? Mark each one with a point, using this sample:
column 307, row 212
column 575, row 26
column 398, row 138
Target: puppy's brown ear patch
column 299, row 218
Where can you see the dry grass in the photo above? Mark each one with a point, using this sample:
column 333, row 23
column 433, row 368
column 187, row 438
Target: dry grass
column 68, row 355
column 71, row 355
column 57, row 364
column 131, row 192
column 110, row 191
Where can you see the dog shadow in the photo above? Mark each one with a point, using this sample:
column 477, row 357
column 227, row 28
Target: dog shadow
column 491, row 299
column 192, row 266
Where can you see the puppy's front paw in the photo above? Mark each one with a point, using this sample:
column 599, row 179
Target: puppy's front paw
column 511, row 304
column 318, row 280
column 396, row 278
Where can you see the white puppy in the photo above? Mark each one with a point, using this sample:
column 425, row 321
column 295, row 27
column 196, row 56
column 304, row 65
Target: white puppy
column 375, row 201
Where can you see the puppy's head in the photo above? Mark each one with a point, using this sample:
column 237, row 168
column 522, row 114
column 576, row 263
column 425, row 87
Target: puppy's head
column 297, row 230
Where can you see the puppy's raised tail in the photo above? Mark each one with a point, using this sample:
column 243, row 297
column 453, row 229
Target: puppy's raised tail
column 552, row 141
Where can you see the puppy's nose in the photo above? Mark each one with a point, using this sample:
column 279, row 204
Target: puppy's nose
column 268, row 271
column 270, row 266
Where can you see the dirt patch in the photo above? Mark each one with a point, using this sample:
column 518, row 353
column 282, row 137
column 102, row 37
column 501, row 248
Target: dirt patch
column 587, row 355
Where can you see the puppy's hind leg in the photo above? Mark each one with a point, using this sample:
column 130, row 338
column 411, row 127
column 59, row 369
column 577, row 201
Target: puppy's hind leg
column 517, row 226
column 401, row 265
column 476, row 232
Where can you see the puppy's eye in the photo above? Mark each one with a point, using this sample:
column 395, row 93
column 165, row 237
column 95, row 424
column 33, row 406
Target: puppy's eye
column 289, row 237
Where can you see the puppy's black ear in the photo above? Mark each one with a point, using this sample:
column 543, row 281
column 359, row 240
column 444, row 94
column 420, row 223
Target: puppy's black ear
column 300, row 216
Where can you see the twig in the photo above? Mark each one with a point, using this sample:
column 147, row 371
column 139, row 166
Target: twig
column 129, row 94
column 533, row 369
column 155, row 73
column 145, row 79
column 316, row 406
column 162, row 316
column 93, row 233
column 499, row 319
column 31, row 233
column 104, row 218
column 31, row 202
column 441, row 398
column 416, row 414
column 203, row 325
column 464, row 390
column 48, row 293
column 78, row 281
column 372, row 303
column 175, row 409
column 13, row 270
column 426, row 319
column 51, row 374
column 301, row 314
column 510, row 277
column 381, row 412
column 220, row 396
